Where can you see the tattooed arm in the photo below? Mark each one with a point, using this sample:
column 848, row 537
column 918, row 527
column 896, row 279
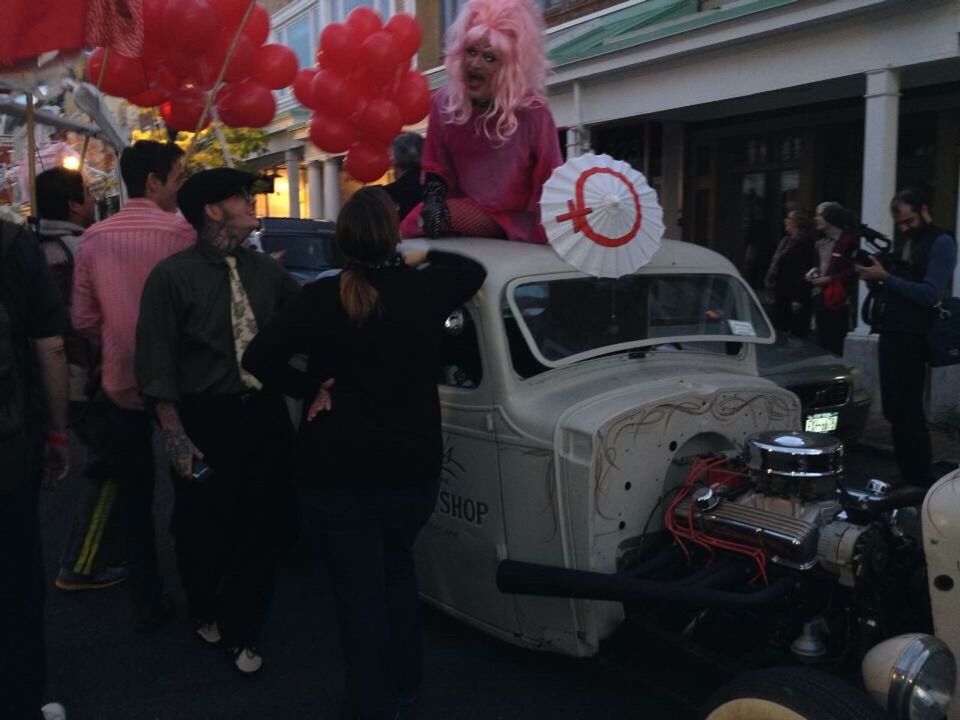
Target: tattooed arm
column 180, row 449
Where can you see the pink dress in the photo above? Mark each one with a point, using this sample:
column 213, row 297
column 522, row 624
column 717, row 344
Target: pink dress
column 504, row 181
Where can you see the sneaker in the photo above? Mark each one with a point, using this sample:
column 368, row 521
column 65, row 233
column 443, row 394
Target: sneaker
column 247, row 660
column 53, row 711
column 68, row 580
column 208, row 632
column 148, row 618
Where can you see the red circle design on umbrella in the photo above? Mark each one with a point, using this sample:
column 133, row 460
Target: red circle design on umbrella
column 578, row 211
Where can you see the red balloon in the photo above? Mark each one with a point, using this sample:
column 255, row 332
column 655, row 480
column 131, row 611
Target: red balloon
column 163, row 78
column 406, row 32
column 153, row 13
column 230, row 11
column 322, row 60
column 303, row 86
column 276, row 66
column 243, row 62
column 123, row 77
column 335, row 94
column 365, row 90
column 331, row 134
column 379, row 121
column 246, row 104
column 413, row 97
column 189, row 25
column 203, row 72
column 366, row 21
column 258, row 25
column 183, row 110
column 380, row 56
column 367, row 162
column 341, row 46
column 150, row 98
column 155, row 37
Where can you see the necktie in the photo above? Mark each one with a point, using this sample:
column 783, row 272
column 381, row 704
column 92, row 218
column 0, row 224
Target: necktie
column 243, row 321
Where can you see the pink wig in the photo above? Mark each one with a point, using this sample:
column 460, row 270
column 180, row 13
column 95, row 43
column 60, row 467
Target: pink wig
column 514, row 29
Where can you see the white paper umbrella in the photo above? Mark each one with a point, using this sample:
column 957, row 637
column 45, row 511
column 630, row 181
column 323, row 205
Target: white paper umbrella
column 601, row 216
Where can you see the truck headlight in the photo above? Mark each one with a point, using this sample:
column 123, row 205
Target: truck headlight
column 912, row 676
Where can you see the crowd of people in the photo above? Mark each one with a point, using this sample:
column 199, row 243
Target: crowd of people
column 170, row 321
column 811, row 276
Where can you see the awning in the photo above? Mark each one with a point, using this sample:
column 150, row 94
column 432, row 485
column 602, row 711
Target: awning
column 643, row 23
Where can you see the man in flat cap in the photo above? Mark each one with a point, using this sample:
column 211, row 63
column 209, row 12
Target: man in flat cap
column 229, row 441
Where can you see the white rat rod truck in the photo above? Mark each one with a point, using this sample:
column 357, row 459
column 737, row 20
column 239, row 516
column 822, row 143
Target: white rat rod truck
column 612, row 459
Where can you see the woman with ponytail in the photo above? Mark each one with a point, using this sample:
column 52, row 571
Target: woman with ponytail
column 491, row 142
column 372, row 434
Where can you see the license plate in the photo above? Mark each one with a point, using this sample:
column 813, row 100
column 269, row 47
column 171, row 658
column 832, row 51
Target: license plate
column 822, row 422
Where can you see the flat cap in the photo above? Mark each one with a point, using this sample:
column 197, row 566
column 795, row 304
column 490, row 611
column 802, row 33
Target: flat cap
column 211, row 186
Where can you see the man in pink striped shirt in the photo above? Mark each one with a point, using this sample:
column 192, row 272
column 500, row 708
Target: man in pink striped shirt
column 112, row 264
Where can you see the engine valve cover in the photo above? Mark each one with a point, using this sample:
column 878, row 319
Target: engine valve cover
column 786, row 540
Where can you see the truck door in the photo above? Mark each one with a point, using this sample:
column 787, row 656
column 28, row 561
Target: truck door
column 458, row 550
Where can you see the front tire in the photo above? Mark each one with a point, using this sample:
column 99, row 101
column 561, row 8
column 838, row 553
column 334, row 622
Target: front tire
column 790, row 694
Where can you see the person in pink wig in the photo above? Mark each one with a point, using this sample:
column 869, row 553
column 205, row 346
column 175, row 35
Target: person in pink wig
column 491, row 142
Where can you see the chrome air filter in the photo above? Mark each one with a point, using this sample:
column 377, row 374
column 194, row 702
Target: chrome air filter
column 794, row 455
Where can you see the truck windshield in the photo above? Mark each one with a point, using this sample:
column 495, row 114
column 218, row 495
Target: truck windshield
column 565, row 319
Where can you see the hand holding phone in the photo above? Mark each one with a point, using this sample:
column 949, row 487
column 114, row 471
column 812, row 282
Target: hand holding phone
column 201, row 471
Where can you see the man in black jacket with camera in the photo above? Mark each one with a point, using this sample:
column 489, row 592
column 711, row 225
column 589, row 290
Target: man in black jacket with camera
column 907, row 286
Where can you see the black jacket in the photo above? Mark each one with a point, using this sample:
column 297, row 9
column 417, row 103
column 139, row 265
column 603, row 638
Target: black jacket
column 384, row 428
column 890, row 311
column 406, row 191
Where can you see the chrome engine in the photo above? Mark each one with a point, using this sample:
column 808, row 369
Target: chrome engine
column 788, row 506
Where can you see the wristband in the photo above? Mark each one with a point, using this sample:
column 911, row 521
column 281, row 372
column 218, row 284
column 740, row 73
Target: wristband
column 55, row 438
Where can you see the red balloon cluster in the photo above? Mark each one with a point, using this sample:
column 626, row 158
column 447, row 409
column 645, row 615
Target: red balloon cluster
column 362, row 90
column 186, row 43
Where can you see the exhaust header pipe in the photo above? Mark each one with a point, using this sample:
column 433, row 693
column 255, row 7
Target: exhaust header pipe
column 521, row 578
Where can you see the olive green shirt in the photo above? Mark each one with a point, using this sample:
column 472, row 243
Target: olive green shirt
column 184, row 333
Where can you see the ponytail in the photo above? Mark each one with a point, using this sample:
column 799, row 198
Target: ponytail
column 368, row 231
column 359, row 298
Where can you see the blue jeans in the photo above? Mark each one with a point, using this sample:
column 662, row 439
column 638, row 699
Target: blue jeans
column 367, row 544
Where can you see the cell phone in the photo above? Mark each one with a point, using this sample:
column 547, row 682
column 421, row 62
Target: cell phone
column 201, row 471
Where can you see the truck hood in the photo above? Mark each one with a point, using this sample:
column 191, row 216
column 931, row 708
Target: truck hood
column 617, row 384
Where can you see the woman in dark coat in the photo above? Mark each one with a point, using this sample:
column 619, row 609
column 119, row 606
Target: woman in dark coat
column 372, row 337
column 786, row 276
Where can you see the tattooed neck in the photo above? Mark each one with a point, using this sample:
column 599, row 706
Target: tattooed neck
column 218, row 235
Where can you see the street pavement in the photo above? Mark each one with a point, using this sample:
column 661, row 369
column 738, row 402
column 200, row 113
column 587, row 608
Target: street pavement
column 102, row 670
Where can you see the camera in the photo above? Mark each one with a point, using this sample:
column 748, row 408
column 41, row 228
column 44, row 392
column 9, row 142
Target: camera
column 201, row 471
column 876, row 246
